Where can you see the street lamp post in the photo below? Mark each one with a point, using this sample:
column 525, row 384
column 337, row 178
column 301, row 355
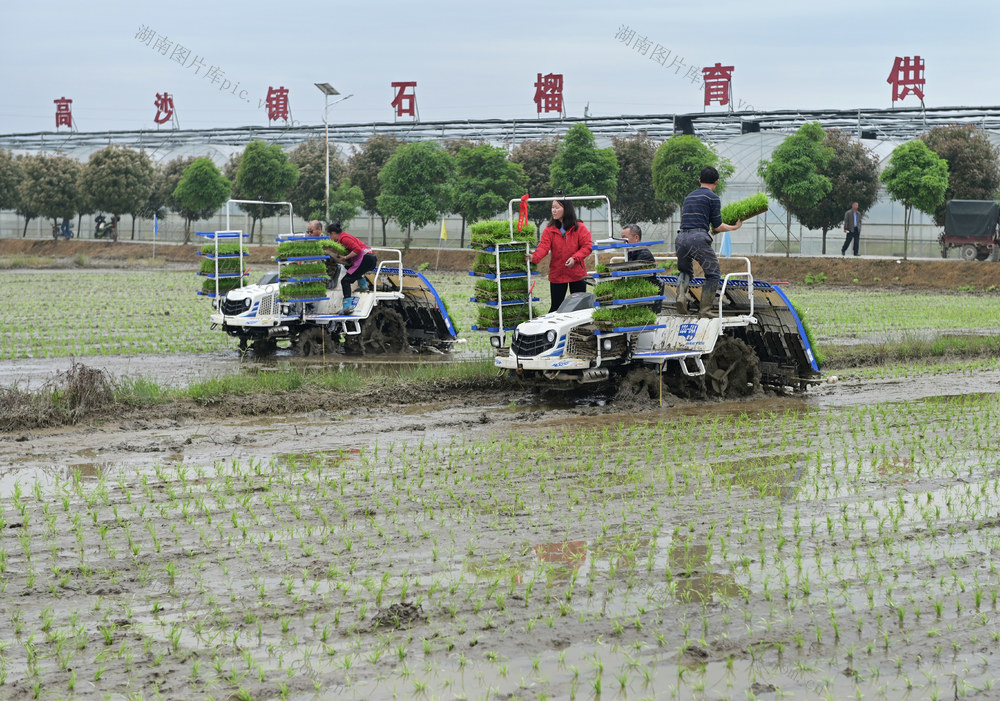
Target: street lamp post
column 327, row 90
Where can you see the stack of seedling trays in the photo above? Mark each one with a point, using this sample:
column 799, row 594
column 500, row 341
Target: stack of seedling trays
column 302, row 272
column 224, row 266
column 503, row 292
column 625, row 296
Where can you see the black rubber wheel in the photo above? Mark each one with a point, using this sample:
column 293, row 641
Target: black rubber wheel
column 383, row 332
column 732, row 370
column 312, row 342
column 264, row 347
column 969, row 252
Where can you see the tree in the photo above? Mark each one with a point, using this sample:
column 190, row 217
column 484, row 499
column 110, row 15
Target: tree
column 794, row 173
column 853, row 174
column 165, row 179
column 636, row 199
column 580, row 168
column 415, row 185
column 264, row 174
column 485, row 182
column 363, row 168
column 917, row 177
column 973, row 165
column 308, row 197
column 536, row 159
column 10, row 178
column 202, row 189
column 676, row 167
column 345, row 202
column 48, row 188
column 119, row 180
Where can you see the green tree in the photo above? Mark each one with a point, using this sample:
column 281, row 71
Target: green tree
column 346, row 202
column 536, row 158
column 201, row 190
column 308, row 197
column 636, row 200
column 678, row 163
column 794, row 173
column 973, row 164
column 119, row 180
column 10, row 178
column 853, row 174
column 485, row 182
column 580, row 168
column 264, row 174
column 363, row 168
column 416, row 185
column 49, row 188
column 918, row 178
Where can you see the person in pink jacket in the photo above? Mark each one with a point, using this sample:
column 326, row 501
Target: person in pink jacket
column 570, row 244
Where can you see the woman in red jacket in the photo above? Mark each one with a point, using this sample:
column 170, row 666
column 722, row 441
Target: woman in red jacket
column 570, row 243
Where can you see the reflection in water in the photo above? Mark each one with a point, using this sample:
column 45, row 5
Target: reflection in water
column 693, row 574
column 563, row 558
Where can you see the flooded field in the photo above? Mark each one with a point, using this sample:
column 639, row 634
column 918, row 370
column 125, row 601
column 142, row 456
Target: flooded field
column 831, row 545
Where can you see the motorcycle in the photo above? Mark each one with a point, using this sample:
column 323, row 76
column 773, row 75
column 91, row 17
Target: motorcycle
column 106, row 230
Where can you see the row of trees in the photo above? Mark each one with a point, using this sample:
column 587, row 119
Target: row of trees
column 814, row 174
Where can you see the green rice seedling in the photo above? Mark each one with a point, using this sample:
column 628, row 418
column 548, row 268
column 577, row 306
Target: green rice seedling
column 744, row 209
column 483, row 234
column 608, row 318
column 513, row 288
column 625, row 288
column 334, row 246
column 510, row 262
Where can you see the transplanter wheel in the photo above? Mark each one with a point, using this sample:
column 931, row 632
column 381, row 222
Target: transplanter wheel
column 312, row 342
column 733, row 369
column 264, row 347
column 383, row 332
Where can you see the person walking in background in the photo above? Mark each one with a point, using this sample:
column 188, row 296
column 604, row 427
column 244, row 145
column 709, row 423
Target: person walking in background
column 852, row 227
column 701, row 212
column 570, row 244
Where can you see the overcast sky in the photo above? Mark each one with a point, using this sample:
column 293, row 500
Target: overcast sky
column 477, row 60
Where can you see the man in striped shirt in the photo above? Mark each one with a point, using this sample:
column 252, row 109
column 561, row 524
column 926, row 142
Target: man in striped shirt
column 701, row 212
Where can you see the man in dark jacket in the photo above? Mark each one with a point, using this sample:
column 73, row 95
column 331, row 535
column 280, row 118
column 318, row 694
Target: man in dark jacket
column 633, row 234
column 852, row 227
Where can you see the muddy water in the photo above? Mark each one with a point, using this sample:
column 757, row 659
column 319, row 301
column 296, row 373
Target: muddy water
column 837, row 544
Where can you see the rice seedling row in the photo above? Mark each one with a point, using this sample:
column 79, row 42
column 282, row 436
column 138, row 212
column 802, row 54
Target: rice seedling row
column 707, row 554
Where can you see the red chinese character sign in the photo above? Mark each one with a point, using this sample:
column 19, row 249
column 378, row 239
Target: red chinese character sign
column 405, row 101
column 64, row 112
column 549, row 93
column 717, row 79
column 907, row 76
column 164, row 104
column 277, row 104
